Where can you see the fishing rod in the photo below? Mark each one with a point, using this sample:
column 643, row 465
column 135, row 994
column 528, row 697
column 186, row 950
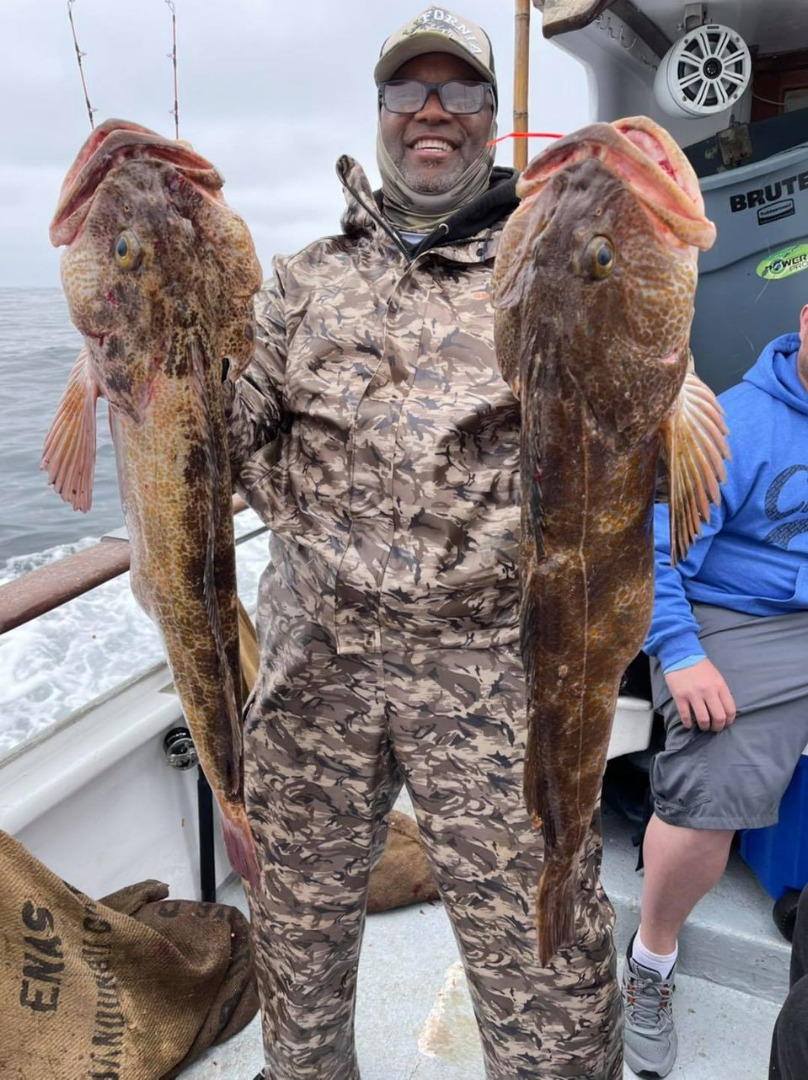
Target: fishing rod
column 172, row 56
column 521, row 67
column 79, row 55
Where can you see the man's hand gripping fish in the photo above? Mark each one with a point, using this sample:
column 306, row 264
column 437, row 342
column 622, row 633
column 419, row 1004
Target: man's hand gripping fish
column 159, row 276
column 593, row 294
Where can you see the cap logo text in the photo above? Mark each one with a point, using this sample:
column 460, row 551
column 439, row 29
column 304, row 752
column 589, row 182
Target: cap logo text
column 434, row 17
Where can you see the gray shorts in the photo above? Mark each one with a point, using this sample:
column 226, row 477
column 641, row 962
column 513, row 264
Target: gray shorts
column 735, row 778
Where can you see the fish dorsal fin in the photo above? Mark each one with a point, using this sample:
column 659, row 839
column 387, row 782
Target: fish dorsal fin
column 69, row 450
column 695, row 449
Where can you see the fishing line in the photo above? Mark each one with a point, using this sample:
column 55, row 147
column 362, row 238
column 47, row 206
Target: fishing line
column 79, row 55
column 526, row 135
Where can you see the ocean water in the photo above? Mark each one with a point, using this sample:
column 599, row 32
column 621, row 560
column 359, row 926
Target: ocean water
column 38, row 345
column 61, row 661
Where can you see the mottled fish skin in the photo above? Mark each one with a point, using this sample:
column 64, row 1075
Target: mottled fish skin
column 159, row 276
column 593, row 294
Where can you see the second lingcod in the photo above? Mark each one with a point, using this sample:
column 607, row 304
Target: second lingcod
column 593, row 293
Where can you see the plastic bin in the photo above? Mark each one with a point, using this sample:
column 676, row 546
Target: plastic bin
column 754, row 280
column 778, row 855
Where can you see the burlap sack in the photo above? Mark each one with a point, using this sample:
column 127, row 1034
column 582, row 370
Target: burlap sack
column 133, row 987
column 402, row 875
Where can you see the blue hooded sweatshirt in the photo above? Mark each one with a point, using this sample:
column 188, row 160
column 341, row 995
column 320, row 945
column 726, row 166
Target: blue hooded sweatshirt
column 752, row 556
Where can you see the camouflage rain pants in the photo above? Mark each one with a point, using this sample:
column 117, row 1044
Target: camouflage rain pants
column 329, row 740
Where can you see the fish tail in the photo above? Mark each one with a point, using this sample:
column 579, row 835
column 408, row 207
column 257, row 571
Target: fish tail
column 239, row 844
column 555, row 911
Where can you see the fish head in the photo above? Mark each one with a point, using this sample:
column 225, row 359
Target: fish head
column 597, row 270
column 154, row 257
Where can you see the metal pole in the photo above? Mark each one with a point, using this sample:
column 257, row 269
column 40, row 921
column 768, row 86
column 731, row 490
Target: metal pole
column 521, row 64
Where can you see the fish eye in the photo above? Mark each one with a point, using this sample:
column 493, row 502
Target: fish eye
column 599, row 257
column 127, row 250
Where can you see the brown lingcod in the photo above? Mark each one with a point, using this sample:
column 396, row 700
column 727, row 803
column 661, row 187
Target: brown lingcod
column 593, row 294
column 159, row 276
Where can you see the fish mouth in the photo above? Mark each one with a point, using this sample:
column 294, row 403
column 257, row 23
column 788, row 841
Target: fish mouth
column 111, row 143
column 647, row 160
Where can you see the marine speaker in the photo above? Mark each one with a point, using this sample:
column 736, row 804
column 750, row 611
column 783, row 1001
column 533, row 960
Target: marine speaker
column 704, row 72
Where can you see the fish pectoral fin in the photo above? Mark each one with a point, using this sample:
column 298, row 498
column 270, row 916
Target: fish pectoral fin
column 69, row 450
column 695, row 449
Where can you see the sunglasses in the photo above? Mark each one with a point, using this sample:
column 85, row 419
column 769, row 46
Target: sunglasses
column 456, row 96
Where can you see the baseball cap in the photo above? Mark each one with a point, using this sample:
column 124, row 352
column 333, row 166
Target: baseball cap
column 437, row 30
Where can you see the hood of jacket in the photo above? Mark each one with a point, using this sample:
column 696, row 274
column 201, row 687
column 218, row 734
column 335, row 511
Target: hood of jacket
column 775, row 372
column 364, row 212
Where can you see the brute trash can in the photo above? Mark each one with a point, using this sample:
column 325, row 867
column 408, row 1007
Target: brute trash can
column 778, row 854
column 753, row 281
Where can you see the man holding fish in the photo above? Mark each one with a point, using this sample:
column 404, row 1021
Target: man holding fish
column 729, row 674
column 377, row 432
column 375, row 435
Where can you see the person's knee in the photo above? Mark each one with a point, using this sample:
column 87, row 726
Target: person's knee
column 664, row 833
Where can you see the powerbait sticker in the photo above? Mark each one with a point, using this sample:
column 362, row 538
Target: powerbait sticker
column 783, row 263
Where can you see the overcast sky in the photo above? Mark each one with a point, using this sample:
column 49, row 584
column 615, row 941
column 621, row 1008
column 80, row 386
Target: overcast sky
column 272, row 93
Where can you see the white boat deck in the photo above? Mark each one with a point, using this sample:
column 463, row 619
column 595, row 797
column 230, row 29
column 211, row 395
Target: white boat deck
column 414, row 1017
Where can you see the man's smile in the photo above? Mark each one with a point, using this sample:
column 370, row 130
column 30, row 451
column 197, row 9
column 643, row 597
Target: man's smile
column 432, row 146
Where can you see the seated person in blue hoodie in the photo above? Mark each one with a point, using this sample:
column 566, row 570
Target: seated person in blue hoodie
column 729, row 668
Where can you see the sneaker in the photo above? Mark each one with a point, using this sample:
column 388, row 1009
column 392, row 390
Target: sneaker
column 650, row 1037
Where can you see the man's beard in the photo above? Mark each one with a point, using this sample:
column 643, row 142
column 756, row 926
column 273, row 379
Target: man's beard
column 430, row 181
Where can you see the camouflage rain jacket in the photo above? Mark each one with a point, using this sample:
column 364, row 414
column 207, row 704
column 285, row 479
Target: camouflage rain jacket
column 373, row 433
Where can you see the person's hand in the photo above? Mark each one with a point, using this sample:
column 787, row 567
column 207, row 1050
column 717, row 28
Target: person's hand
column 700, row 693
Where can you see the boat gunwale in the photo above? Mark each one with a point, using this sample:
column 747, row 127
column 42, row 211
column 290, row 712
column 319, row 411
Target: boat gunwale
column 49, row 587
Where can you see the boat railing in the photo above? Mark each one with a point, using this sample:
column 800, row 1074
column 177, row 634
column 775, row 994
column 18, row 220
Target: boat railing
column 49, row 587
column 70, row 755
